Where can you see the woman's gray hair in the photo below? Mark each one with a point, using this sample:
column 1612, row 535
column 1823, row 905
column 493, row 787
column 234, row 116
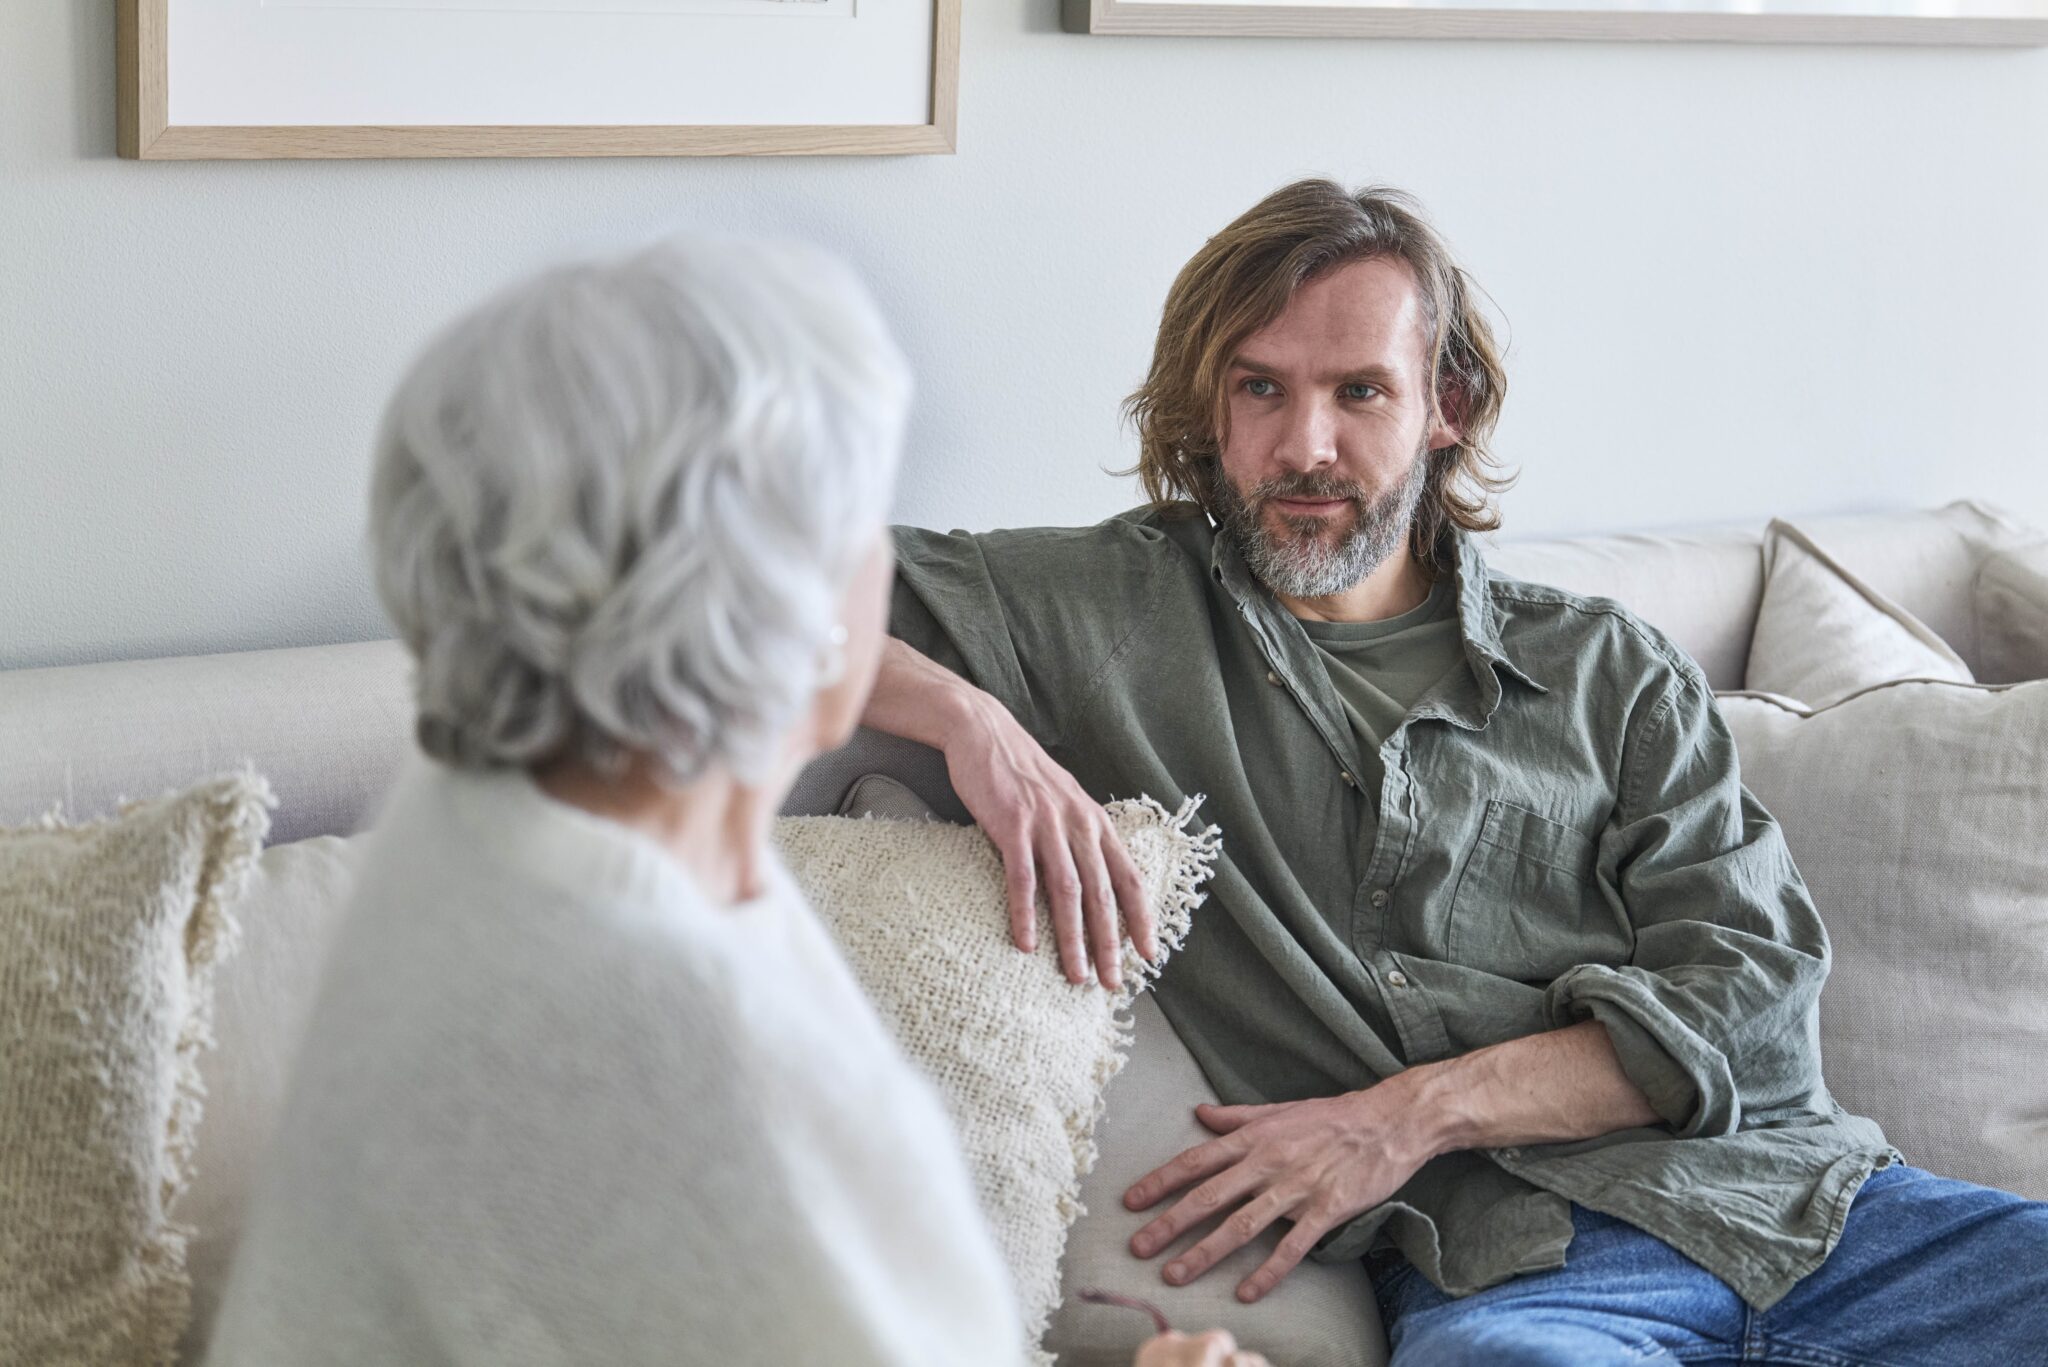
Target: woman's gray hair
column 615, row 507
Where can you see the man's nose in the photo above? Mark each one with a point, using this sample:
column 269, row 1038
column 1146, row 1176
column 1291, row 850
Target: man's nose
column 1309, row 440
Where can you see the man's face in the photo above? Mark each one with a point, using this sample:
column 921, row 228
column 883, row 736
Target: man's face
column 1330, row 421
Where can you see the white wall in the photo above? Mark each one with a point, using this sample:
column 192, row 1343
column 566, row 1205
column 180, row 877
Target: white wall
column 1742, row 280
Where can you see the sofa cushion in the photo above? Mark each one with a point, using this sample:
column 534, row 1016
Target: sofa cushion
column 1914, row 812
column 1702, row 586
column 2012, row 613
column 1322, row 1315
column 1699, row 587
column 109, row 937
column 327, row 725
column 1823, row 633
column 261, row 998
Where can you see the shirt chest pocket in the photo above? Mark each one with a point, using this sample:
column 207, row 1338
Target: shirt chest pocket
column 1526, row 905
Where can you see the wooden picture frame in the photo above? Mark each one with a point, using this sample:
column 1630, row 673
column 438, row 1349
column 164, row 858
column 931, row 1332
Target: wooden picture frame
column 146, row 133
column 1379, row 19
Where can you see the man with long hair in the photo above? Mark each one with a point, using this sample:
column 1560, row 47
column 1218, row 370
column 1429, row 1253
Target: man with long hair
column 1510, row 985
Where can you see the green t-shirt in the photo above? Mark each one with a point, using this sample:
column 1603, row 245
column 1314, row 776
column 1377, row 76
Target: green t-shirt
column 1382, row 669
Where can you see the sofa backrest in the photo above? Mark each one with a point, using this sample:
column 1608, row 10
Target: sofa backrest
column 329, row 724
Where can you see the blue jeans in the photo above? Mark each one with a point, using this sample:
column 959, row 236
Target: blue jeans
column 1929, row 1270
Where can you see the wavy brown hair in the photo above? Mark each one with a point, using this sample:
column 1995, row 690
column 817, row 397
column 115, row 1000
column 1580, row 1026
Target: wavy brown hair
column 1240, row 281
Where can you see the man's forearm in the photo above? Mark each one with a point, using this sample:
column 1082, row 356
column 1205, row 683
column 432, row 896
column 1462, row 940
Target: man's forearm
column 918, row 698
column 1548, row 1088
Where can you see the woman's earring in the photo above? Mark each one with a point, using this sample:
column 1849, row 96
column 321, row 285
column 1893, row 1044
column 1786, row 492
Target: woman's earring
column 832, row 660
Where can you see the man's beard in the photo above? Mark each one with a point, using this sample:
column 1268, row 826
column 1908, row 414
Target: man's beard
column 1302, row 561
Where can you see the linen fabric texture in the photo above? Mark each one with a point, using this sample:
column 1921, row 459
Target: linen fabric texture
column 1560, row 834
column 2012, row 613
column 1907, row 806
column 263, row 993
column 1822, row 632
column 109, row 936
column 1900, row 801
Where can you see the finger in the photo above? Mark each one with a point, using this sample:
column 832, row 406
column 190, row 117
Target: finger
column 1190, row 1165
column 1246, row 1360
column 1244, row 1224
column 1020, row 882
column 1210, row 1199
column 1309, row 1226
column 1225, row 1119
column 1170, row 1349
column 1063, row 898
column 1130, row 896
column 1105, row 940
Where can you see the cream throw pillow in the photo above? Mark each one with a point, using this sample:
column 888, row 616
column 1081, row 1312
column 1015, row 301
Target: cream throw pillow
column 109, row 935
column 2012, row 613
column 287, row 917
column 1915, row 811
column 1822, row 633
column 1019, row 1055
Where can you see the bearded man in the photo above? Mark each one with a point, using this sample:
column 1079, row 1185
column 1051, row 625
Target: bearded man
column 1511, row 987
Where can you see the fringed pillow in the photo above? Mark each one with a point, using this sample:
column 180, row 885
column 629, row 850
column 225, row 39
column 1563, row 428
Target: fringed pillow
column 1019, row 1055
column 109, row 934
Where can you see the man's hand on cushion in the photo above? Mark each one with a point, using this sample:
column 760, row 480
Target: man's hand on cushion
column 1050, row 834
column 1317, row 1162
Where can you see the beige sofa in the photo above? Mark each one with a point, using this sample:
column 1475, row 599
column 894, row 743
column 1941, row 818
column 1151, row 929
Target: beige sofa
column 329, row 724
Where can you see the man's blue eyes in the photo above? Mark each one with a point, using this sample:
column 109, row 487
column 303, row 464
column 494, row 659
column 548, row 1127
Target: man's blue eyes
column 1264, row 389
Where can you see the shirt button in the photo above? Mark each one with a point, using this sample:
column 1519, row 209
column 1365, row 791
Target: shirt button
column 1397, row 979
column 1272, row 678
column 1379, row 897
column 1510, row 1154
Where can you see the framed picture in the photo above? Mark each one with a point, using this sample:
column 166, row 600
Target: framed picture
column 1791, row 21
column 536, row 78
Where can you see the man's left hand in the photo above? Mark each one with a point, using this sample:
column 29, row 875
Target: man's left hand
column 1317, row 1162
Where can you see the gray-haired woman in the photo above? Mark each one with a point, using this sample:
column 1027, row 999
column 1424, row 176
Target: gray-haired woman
column 586, row 1082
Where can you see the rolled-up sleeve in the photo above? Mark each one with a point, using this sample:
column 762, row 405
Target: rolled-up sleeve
column 1716, row 1014
column 1031, row 615
column 946, row 605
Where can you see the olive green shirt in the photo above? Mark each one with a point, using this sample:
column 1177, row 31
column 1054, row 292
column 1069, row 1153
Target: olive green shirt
column 1560, row 834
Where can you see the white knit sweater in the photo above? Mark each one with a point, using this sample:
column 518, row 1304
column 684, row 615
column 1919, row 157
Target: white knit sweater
column 557, row 1107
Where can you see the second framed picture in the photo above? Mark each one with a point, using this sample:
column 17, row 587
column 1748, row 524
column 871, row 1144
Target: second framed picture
column 1781, row 21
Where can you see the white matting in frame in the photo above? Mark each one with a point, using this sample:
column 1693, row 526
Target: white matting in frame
column 752, row 8
column 248, row 62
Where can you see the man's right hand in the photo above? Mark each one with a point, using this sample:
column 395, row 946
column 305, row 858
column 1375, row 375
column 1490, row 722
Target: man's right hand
column 1051, row 835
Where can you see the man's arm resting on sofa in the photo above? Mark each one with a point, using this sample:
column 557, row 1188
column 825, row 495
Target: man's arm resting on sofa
column 1049, row 832
column 1323, row 1161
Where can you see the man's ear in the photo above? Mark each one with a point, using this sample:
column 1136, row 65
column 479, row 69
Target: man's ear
column 1447, row 425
